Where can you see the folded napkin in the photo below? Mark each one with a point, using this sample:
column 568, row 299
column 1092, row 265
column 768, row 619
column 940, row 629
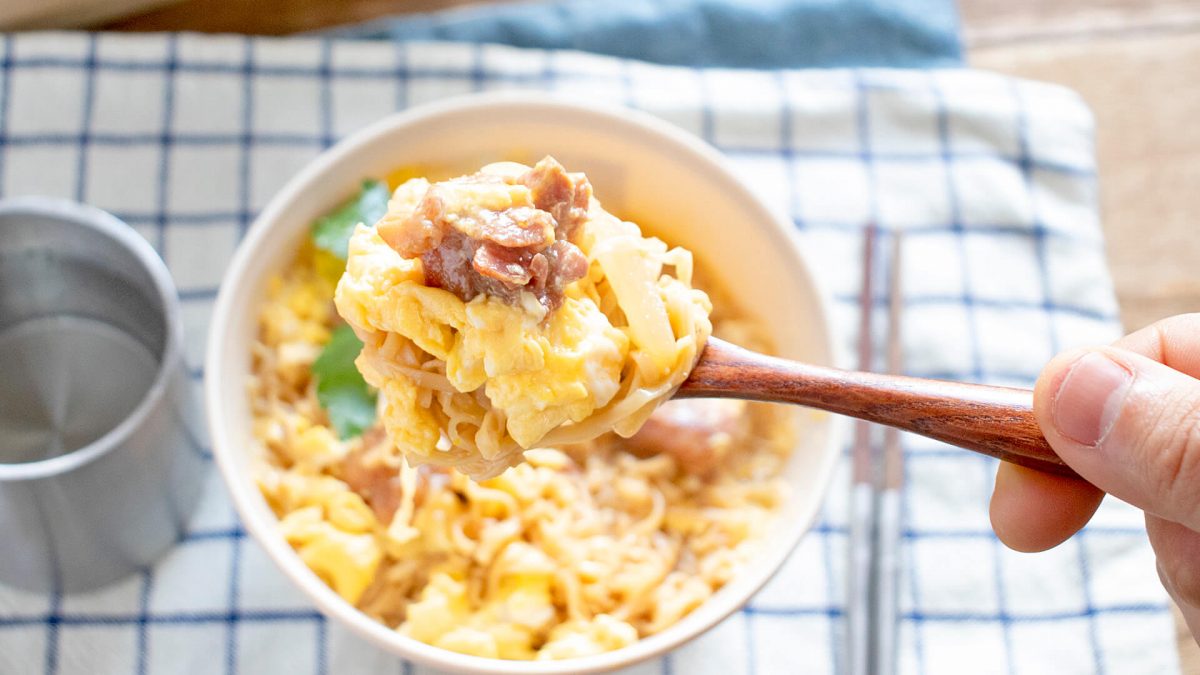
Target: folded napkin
column 992, row 180
column 740, row 33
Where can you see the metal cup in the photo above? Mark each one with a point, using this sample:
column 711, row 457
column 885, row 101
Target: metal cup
column 100, row 457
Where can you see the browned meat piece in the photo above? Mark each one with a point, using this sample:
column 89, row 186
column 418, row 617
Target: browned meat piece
column 698, row 433
column 564, row 263
column 420, row 232
column 514, row 266
column 469, row 247
column 378, row 484
column 564, row 196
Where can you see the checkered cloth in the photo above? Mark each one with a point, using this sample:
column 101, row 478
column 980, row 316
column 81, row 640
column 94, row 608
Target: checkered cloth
column 993, row 181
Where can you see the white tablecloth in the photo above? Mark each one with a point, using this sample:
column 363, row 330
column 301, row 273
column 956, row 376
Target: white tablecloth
column 992, row 179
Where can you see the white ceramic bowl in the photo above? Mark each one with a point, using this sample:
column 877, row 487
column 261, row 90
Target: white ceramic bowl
column 639, row 166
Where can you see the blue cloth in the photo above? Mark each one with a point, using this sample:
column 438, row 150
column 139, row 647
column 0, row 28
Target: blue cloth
column 735, row 33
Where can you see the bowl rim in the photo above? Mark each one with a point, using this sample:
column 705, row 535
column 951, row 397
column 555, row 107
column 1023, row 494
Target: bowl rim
column 266, row 533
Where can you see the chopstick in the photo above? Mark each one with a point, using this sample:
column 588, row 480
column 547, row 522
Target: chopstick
column 877, row 481
column 862, row 491
column 888, row 517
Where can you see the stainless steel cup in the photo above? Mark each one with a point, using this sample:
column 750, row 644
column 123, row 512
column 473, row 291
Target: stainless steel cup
column 100, row 436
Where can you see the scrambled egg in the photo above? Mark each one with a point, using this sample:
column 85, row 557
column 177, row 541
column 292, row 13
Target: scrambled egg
column 331, row 527
column 518, row 610
column 602, row 633
column 518, row 614
column 538, row 374
column 295, row 321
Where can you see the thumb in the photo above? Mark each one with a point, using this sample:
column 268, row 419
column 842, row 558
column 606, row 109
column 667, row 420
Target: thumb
column 1127, row 424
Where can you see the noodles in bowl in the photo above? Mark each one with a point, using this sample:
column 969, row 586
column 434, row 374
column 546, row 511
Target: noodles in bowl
column 599, row 538
column 668, row 182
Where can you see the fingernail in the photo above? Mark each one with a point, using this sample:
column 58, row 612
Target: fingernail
column 1089, row 399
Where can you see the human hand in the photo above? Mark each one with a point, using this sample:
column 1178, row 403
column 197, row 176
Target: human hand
column 1127, row 419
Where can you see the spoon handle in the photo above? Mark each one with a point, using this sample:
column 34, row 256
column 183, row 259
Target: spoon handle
column 995, row 421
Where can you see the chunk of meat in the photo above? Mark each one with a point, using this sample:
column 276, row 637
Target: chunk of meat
column 698, row 433
column 378, row 483
column 565, row 196
column 514, row 266
column 498, row 235
column 564, row 263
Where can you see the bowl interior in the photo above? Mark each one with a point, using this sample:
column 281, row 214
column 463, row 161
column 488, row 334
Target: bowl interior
column 640, row 168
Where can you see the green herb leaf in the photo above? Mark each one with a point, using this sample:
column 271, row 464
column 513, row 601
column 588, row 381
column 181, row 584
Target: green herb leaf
column 341, row 389
column 332, row 232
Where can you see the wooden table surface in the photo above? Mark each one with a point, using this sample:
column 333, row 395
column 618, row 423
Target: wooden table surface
column 1136, row 62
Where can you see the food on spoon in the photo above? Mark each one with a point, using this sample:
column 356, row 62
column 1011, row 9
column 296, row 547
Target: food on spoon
column 507, row 310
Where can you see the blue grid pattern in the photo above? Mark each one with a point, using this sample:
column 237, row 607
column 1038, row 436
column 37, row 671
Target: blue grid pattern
column 992, row 180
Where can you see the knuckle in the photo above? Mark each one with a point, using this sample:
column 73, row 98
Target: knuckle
column 1187, row 321
column 1180, row 324
column 1184, row 578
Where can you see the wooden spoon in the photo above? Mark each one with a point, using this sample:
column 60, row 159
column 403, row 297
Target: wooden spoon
column 995, row 421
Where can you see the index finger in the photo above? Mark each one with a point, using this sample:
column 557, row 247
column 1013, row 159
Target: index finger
column 1174, row 342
